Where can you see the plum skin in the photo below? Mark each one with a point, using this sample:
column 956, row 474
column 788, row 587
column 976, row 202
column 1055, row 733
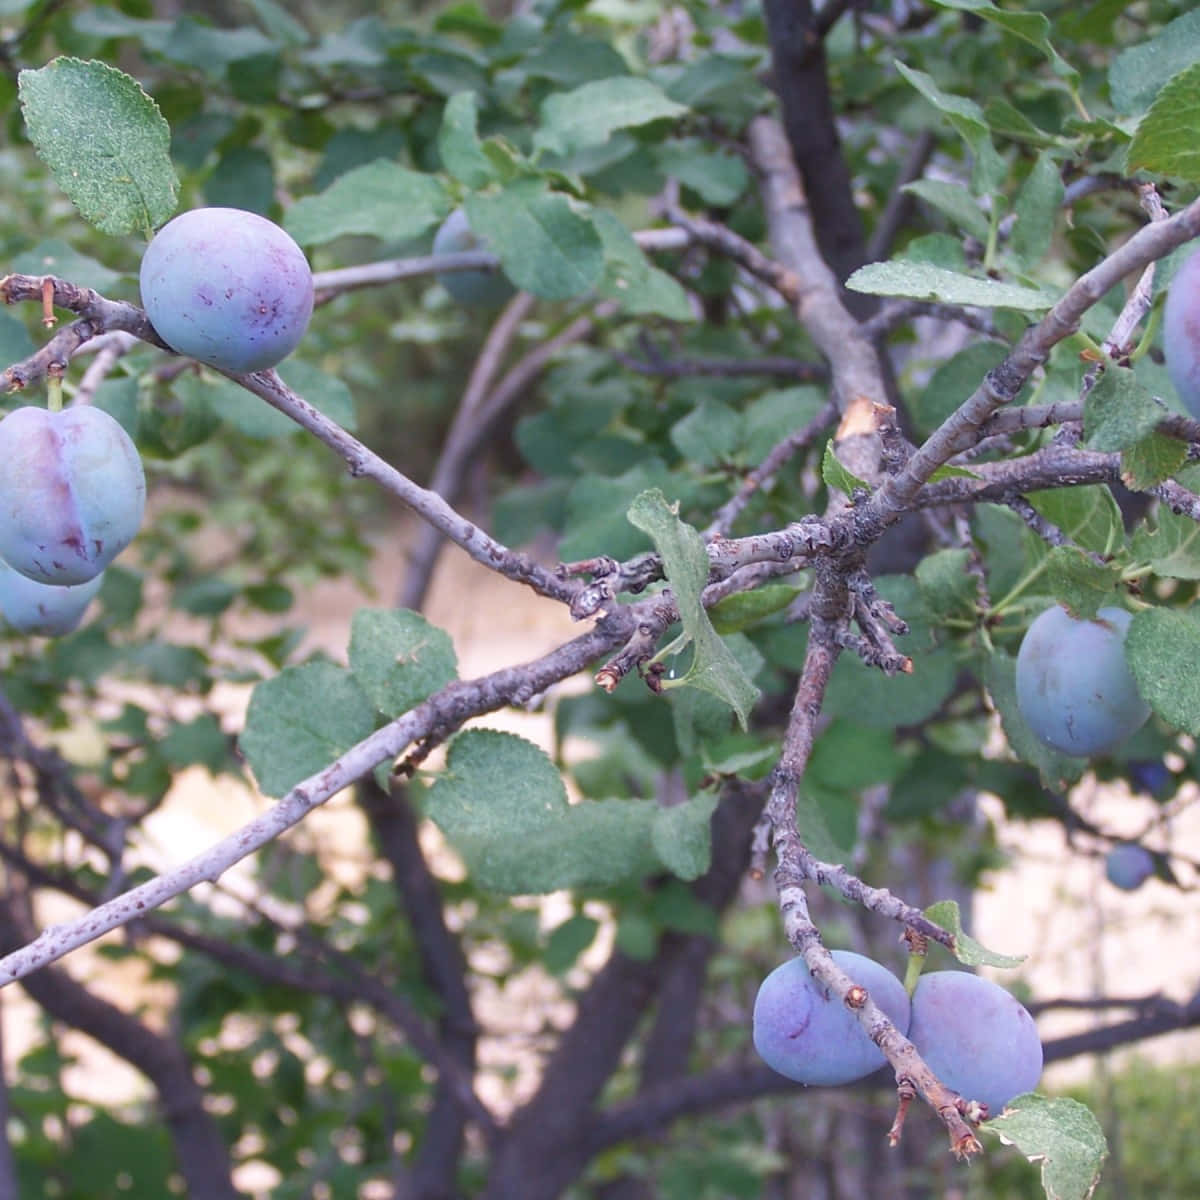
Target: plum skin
column 1074, row 687
column 228, row 288
column 472, row 289
column 977, row 1038
column 72, row 492
column 802, row 1031
column 1181, row 333
column 1128, row 865
column 43, row 608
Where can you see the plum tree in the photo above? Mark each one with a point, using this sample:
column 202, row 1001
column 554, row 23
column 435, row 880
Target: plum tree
column 72, row 494
column 803, row 1032
column 1128, row 865
column 1074, row 687
column 976, row 1037
column 472, row 289
column 45, row 608
column 228, row 288
column 1181, row 333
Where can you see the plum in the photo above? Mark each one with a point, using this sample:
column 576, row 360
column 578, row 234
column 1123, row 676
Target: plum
column 45, row 608
column 72, row 492
column 976, row 1037
column 228, row 288
column 1074, row 687
column 1128, row 866
column 803, row 1032
column 1181, row 333
column 472, row 289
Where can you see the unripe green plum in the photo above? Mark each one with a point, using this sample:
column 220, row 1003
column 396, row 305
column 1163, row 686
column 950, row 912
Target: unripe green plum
column 976, row 1037
column 802, row 1031
column 72, row 492
column 1074, row 687
column 1181, row 333
column 228, row 288
column 472, row 289
column 1128, row 866
column 32, row 607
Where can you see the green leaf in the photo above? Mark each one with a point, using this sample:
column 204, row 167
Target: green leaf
column 1137, row 74
column 836, row 476
column 968, row 121
column 682, row 835
column 459, row 145
column 381, row 200
column 948, row 588
column 323, row 391
column 1031, row 27
column 1087, row 515
column 1165, row 141
column 1171, row 548
column 1037, row 207
column 399, row 658
column 1058, row 771
column 714, row 667
column 588, row 115
column 502, row 804
column 201, row 741
column 1060, row 1135
column 1119, row 411
column 55, row 257
column 302, row 720
column 1154, row 459
column 716, row 176
column 709, row 434
column 568, row 941
column 967, row 950
column 744, row 609
column 955, row 202
column 922, row 281
column 1162, row 647
column 634, row 282
column 956, row 380
column 105, row 142
column 1079, row 582
column 545, row 246
column 15, row 342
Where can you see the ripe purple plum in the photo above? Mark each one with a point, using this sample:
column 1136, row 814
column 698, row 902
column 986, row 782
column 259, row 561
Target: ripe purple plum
column 72, row 492
column 472, row 289
column 1074, row 687
column 32, row 607
column 1128, row 866
column 976, row 1038
column 802, row 1031
column 1181, row 333
column 228, row 288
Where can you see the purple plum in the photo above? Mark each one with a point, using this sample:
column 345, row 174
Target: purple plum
column 228, row 288
column 72, row 492
column 45, row 608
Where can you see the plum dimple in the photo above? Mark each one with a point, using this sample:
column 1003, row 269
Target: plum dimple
column 72, row 493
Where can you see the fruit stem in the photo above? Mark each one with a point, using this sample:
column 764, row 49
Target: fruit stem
column 54, row 392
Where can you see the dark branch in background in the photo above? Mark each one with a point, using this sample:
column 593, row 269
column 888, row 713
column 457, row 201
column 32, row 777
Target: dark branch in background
column 552, row 1129
column 796, row 370
column 200, row 1150
column 800, row 80
column 444, row 968
column 481, row 410
column 900, row 203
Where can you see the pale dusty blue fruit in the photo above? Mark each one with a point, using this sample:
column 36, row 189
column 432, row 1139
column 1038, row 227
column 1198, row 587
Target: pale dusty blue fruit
column 1074, row 687
column 1181, row 333
column 228, row 288
column 472, row 289
column 802, row 1031
column 1128, row 866
column 31, row 607
column 72, row 492
column 976, row 1037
